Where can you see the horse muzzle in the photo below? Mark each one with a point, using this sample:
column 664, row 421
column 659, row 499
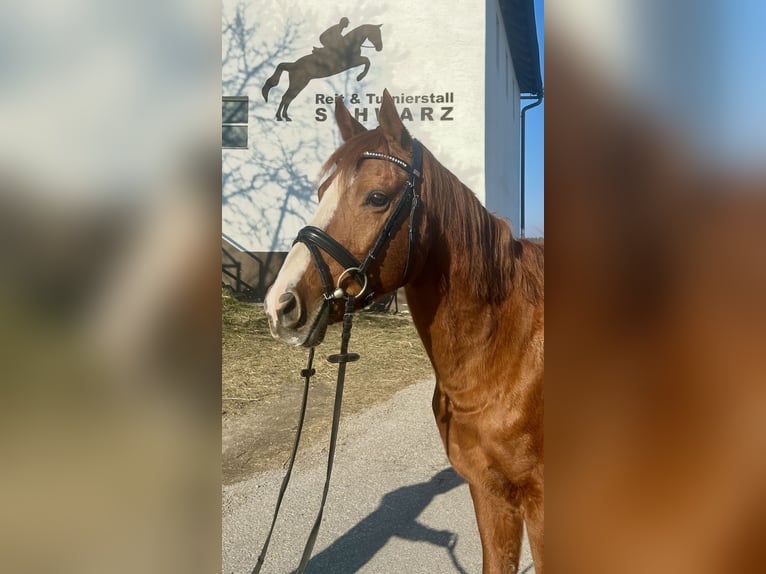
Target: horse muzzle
column 290, row 321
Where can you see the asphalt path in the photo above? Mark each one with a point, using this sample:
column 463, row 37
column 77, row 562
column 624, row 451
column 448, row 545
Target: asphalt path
column 394, row 507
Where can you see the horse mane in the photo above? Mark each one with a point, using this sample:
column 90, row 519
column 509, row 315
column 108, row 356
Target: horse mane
column 482, row 245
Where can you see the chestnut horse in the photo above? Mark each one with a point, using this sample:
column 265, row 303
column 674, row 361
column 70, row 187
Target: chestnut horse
column 476, row 297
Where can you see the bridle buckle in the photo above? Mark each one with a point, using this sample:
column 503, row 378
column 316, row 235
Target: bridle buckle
column 339, row 292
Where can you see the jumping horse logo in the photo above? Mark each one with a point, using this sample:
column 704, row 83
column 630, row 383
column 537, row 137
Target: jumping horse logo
column 338, row 53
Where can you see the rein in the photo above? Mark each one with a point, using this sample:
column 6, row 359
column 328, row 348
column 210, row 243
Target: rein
column 341, row 359
column 316, row 239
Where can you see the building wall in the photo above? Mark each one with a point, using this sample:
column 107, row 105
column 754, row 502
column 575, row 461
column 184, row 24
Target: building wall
column 502, row 115
column 435, row 48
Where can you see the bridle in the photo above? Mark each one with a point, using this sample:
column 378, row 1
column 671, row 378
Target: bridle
column 316, row 239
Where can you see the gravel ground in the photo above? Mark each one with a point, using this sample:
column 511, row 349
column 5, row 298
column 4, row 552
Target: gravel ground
column 394, row 506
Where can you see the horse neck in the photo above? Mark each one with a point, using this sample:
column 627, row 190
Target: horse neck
column 476, row 279
column 358, row 34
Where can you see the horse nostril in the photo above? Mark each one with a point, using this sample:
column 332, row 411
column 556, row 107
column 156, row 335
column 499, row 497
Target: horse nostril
column 288, row 310
column 287, row 302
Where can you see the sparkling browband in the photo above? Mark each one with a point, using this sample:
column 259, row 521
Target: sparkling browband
column 392, row 159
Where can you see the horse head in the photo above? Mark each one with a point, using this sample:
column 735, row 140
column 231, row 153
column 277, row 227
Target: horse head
column 356, row 201
column 356, row 37
column 374, row 35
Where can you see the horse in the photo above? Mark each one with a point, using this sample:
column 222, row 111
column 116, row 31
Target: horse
column 324, row 62
column 476, row 297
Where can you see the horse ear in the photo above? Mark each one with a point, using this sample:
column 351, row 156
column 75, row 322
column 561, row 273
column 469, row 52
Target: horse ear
column 391, row 124
column 347, row 123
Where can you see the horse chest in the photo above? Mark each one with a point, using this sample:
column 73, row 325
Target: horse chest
column 482, row 444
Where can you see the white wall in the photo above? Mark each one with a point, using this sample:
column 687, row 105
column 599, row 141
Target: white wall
column 503, row 121
column 436, row 47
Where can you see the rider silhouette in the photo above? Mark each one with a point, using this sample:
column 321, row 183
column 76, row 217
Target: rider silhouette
column 338, row 53
column 332, row 38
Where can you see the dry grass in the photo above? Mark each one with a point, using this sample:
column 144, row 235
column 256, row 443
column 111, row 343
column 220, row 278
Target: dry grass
column 262, row 386
column 255, row 365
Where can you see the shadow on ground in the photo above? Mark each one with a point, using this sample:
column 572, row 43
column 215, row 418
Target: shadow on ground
column 396, row 515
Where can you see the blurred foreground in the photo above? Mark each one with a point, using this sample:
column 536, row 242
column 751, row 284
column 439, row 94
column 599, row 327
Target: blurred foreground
column 109, row 289
column 656, row 234
column 110, row 339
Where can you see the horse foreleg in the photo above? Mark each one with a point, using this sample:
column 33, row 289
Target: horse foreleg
column 500, row 527
column 534, row 512
column 366, row 62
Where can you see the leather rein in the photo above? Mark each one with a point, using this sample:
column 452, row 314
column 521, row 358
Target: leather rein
column 316, row 239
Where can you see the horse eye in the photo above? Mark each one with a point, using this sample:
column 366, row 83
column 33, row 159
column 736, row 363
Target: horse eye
column 376, row 199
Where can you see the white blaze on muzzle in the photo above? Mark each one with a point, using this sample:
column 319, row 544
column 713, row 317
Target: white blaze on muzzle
column 298, row 259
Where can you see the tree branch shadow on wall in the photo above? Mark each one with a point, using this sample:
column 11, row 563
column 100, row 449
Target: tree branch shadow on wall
column 266, row 178
column 269, row 188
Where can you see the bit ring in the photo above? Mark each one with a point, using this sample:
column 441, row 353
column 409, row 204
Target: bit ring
column 339, row 292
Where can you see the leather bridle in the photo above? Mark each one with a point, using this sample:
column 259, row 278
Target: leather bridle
column 316, row 239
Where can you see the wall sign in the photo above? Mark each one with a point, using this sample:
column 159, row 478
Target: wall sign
column 339, row 52
column 423, row 107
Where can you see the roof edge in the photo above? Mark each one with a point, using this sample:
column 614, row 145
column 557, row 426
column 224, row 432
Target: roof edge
column 521, row 34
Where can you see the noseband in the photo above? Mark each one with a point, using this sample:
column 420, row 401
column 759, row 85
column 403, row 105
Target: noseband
column 317, row 239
